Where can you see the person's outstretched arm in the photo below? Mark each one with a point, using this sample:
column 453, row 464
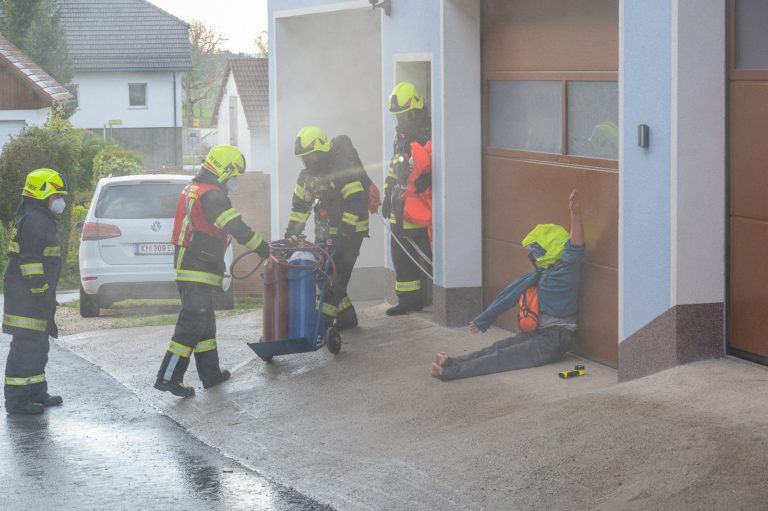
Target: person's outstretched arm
column 577, row 226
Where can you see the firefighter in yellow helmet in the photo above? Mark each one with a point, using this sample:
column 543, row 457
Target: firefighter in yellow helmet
column 205, row 219
column 31, row 276
column 408, row 175
column 333, row 183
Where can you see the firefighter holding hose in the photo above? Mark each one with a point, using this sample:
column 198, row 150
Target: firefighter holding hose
column 335, row 185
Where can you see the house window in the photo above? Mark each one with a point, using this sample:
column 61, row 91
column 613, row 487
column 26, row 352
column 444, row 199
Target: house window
column 137, row 94
column 593, row 119
column 525, row 115
column 559, row 117
column 74, row 89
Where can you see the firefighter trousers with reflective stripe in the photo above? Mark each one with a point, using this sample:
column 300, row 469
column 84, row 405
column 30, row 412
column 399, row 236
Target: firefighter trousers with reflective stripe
column 521, row 351
column 408, row 276
column 336, row 300
column 25, row 370
column 195, row 334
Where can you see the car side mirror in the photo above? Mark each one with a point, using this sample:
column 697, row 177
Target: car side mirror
column 79, row 227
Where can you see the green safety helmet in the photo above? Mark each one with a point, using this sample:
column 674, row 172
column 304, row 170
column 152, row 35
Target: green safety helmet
column 42, row 183
column 546, row 243
column 605, row 139
column 405, row 96
column 310, row 139
column 225, row 161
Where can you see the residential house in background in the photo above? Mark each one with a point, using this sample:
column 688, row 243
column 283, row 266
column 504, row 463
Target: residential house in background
column 128, row 56
column 241, row 111
column 27, row 93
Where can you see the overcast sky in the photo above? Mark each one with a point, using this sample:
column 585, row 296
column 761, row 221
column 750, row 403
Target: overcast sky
column 240, row 20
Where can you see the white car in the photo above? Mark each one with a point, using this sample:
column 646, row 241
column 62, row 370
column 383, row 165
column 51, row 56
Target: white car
column 125, row 243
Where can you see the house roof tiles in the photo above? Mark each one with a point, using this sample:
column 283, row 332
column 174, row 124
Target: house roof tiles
column 252, row 80
column 32, row 72
column 124, row 35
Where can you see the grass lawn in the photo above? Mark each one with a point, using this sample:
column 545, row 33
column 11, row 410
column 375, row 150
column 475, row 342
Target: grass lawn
column 135, row 313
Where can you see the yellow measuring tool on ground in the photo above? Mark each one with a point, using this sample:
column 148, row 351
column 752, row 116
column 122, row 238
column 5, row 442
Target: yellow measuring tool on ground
column 578, row 370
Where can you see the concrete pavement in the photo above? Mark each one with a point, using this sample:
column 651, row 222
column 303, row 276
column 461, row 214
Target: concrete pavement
column 106, row 449
column 369, row 429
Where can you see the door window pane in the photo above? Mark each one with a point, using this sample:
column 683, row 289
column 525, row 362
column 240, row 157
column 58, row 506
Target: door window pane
column 752, row 34
column 593, row 119
column 525, row 115
column 137, row 94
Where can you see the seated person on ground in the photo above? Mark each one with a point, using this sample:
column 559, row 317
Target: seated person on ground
column 557, row 259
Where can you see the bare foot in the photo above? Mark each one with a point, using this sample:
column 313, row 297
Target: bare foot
column 436, row 370
column 441, row 359
column 473, row 327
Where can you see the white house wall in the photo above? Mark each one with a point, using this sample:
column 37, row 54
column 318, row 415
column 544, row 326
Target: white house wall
column 223, row 131
column 104, row 96
column 13, row 121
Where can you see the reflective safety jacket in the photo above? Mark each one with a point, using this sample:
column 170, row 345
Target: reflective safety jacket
column 407, row 176
column 32, row 273
column 204, row 220
column 338, row 194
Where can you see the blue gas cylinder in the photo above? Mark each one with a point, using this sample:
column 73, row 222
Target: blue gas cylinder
column 301, row 293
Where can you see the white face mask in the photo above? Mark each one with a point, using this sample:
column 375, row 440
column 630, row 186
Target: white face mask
column 232, row 184
column 57, row 206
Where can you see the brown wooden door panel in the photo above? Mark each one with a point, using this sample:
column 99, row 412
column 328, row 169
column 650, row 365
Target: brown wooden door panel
column 556, row 37
column 748, row 321
column 536, row 193
column 599, row 314
column 572, row 35
column 748, row 126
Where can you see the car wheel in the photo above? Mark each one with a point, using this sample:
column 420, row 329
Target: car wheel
column 89, row 304
column 224, row 301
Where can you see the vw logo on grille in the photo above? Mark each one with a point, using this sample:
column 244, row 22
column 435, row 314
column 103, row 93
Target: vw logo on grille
column 156, row 226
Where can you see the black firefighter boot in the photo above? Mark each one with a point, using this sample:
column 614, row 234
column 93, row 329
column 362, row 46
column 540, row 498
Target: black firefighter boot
column 208, row 368
column 28, row 408
column 176, row 388
column 346, row 318
column 18, row 401
column 174, row 385
column 401, row 309
column 48, row 400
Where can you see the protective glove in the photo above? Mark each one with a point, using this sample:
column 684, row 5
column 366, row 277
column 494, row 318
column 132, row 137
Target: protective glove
column 263, row 250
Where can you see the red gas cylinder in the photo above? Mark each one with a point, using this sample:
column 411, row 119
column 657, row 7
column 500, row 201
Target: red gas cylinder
column 275, row 301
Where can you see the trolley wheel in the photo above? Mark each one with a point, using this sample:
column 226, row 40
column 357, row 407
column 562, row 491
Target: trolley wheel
column 267, row 360
column 333, row 340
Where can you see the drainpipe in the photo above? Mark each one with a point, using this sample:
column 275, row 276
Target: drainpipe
column 175, row 125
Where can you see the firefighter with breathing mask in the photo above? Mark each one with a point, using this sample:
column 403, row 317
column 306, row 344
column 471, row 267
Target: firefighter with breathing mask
column 408, row 180
column 333, row 183
column 204, row 221
column 31, row 276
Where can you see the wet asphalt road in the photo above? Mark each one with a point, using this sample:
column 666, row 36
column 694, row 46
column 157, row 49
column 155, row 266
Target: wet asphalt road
column 106, row 449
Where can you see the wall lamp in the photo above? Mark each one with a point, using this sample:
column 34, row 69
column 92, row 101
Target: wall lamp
column 384, row 4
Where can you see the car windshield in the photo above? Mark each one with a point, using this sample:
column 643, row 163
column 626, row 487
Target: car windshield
column 140, row 200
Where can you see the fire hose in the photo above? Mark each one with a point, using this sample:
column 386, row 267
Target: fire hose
column 407, row 252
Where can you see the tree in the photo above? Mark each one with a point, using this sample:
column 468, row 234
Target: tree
column 262, row 44
column 35, row 27
column 199, row 83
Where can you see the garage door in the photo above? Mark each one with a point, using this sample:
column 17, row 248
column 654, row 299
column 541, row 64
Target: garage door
column 550, row 72
column 748, row 159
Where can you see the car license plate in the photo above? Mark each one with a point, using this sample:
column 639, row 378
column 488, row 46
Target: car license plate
column 154, row 248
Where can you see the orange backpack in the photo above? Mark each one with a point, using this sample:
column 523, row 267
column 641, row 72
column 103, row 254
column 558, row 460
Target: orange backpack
column 528, row 315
